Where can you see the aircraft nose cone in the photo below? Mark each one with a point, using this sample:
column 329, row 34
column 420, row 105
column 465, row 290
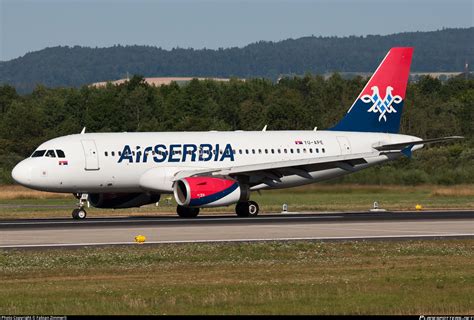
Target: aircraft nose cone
column 22, row 174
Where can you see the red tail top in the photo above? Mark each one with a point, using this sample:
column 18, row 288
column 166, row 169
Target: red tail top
column 393, row 71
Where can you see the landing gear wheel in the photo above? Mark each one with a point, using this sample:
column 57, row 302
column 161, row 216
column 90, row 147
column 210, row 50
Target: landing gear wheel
column 185, row 212
column 79, row 214
column 247, row 209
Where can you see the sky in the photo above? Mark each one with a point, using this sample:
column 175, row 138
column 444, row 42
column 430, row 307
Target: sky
column 30, row 25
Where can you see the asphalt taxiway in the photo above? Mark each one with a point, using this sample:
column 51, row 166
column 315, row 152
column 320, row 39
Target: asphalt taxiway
column 227, row 228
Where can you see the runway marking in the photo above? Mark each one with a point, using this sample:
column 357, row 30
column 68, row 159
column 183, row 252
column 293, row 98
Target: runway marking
column 241, row 240
column 276, row 216
column 408, row 226
column 165, row 220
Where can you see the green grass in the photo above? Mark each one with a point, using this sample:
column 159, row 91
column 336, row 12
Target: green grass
column 375, row 277
column 349, row 198
column 309, row 198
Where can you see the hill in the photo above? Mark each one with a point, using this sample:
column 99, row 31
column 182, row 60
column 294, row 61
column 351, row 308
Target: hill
column 436, row 51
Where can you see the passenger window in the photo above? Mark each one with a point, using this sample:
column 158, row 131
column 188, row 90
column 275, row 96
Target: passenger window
column 324, row 151
column 291, row 150
column 120, row 153
column 50, row 154
column 279, row 151
column 38, row 153
column 310, row 150
column 266, row 150
column 253, row 151
column 247, row 151
column 240, row 151
column 285, row 151
column 259, row 150
column 273, row 150
column 60, row 154
column 297, row 150
column 113, row 153
column 106, row 153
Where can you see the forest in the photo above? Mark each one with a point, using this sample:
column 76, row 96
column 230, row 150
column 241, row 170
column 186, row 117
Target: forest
column 445, row 50
column 432, row 109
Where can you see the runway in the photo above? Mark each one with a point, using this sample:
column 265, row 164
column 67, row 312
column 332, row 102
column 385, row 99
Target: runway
column 296, row 226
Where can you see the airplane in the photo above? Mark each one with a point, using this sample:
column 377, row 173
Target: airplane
column 212, row 169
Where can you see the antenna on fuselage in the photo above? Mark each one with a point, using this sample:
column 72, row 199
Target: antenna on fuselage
column 264, row 128
column 315, row 129
column 83, row 130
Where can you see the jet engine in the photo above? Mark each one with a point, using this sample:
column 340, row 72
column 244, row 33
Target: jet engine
column 207, row 192
column 122, row 200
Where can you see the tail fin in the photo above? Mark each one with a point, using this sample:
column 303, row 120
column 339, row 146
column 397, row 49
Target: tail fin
column 378, row 108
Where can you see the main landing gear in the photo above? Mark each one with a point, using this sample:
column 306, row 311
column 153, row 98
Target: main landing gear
column 247, row 209
column 242, row 209
column 185, row 212
column 80, row 213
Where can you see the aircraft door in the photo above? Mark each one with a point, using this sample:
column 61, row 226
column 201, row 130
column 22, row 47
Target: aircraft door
column 90, row 153
column 344, row 145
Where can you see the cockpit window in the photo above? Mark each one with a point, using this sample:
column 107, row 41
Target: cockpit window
column 60, row 154
column 50, row 153
column 38, row 153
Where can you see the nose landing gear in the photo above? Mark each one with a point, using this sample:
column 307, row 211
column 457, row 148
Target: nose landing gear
column 80, row 213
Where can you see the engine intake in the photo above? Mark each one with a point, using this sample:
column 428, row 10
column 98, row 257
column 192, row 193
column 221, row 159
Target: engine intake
column 206, row 192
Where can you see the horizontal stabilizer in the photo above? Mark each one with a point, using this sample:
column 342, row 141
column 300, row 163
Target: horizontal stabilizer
column 403, row 145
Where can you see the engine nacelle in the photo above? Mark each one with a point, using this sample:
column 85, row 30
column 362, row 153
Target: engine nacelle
column 122, row 200
column 206, row 192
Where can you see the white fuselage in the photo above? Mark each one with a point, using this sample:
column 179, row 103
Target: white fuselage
column 95, row 162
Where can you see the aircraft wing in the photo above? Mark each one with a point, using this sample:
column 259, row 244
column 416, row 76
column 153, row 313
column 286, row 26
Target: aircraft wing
column 401, row 146
column 276, row 170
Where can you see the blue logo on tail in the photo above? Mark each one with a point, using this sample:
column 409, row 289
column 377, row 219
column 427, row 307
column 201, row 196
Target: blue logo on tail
column 381, row 105
column 388, row 108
